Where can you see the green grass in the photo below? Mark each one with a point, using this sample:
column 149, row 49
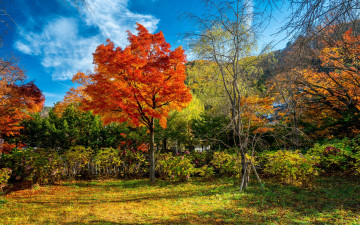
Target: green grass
column 332, row 201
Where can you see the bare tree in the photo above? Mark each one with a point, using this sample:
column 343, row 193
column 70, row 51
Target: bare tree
column 308, row 18
column 226, row 36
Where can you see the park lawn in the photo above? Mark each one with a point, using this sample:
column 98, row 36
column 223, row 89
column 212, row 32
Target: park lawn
column 332, row 201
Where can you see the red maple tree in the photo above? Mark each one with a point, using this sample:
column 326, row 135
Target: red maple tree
column 138, row 84
column 17, row 99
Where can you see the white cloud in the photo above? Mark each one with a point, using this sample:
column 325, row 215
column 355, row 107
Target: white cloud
column 52, row 95
column 249, row 6
column 113, row 18
column 23, row 48
column 63, row 50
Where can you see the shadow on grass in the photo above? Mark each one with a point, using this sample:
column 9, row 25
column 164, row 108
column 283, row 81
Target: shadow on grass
column 112, row 183
column 220, row 216
column 327, row 200
column 168, row 195
column 330, row 195
column 132, row 184
column 96, row 222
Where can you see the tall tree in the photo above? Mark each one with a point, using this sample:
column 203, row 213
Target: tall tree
column 334, row 86
column 226, row 37
column 139, row 84
column 17, row 98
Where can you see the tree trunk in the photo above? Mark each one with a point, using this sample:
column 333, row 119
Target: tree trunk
column 152, row 152
column 176, row 147
column 164, row 143
column 245, row 172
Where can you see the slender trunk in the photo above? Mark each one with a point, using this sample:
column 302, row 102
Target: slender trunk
column 152, row 152
column 243, row 177
column 164, row 142
column 176, row 147
column 243, row 165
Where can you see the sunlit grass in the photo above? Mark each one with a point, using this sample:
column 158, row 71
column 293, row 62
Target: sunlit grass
column 199, row 202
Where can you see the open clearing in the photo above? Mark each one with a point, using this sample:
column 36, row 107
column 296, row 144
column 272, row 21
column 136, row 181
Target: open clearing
column 333, row 200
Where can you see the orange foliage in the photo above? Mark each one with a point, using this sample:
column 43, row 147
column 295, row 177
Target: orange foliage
column 333, row 91
column 74, row 96
column 253, row 109
column 16, row 98
column 136, row 84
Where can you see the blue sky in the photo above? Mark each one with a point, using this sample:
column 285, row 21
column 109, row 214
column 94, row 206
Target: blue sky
column 54, row 39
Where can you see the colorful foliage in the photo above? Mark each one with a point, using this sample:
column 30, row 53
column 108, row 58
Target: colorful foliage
column 146, row 80
column 16, row 98
column 138, row 84
column 330, row 91
column 337, row 156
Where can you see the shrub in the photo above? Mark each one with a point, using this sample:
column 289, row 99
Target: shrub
column 200, row 159
column 134, row 163
column 175, row 168
column 334, row 157
column 108, row 161
column 291, row 167
column 356, row 163
column 5, row 174
column 205, row 171
column 75, row 159
column 225, row 164
column 42, row 166
column 18, row 161
column 46, row 166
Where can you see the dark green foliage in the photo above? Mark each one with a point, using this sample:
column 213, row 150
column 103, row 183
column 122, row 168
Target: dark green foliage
column 75, row 127
column 212, row 130
column 42, row 166
column 134, row 164
column 338, row 156
column 200, row 159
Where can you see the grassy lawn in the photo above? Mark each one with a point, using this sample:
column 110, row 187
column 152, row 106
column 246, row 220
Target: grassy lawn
column 332, row 201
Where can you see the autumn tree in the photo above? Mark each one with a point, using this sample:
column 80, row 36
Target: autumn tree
column 17, row 98
column 139, row 84
column 330, row 91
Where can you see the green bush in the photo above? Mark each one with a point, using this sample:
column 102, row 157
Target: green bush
column 46, row 166
column 292, row 167
column 205, row 171
column 134, row 163
column 334, row 157
column 108, row 161
column 43, row 166
column 200, row 159
column 175, row 168
column 75, row 159
column 225, row 164
column 18, row 160
column 356, row 162
column 5, row 174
